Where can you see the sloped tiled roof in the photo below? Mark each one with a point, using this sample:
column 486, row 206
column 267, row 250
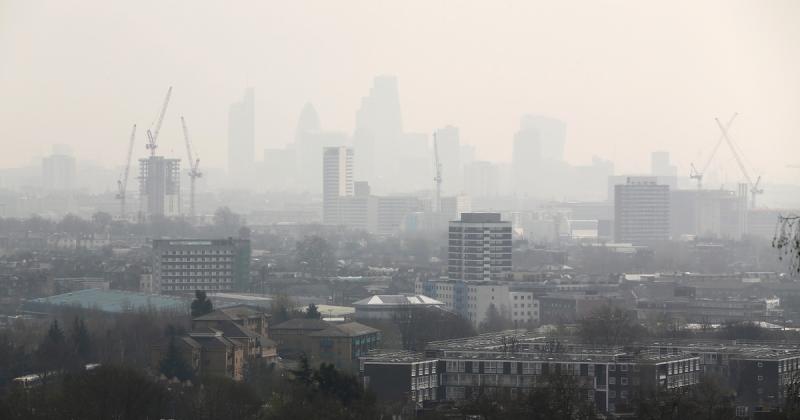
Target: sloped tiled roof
column 350, row 329
column 302, row 324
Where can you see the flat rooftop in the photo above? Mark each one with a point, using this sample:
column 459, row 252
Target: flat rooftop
column 117, row 301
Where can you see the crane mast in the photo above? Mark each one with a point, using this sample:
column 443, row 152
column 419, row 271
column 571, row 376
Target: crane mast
column 194, row 173
column 152, row 135
column 698, row 175
column 437, row 205
column 122, row 183
column 754, row 186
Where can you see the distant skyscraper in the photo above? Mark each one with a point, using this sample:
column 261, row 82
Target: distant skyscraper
column 309, row 142
column 482, row 179
column 337, row 181
column 479, row 247
column 538, row 153
column 379, row 123
column 641, row 211
column 660, row 165
column 450, row 156
column 552, row 135
column 241, row 139
column 58, row 169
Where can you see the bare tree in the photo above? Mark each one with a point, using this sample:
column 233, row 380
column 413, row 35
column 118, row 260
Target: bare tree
column 787, row 240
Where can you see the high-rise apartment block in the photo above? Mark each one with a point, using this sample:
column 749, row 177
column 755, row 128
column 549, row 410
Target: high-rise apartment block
column 479, row 247
column 337, row 182
column 185, row 265
column 641, row 211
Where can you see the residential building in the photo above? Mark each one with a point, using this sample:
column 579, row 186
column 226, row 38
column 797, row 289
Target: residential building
column 559, row 308
column 207, row 352
column 524, row 308
column 337, row 182
column 641, row 211
column 342, row 344
column 183, row 265
column 512, row 363
column 325, row 342
column 470, row 299
column 400, row 375
column 479, row 247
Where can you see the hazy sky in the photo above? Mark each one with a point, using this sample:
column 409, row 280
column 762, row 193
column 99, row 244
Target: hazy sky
column 628, row 77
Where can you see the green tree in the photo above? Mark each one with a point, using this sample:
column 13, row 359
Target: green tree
column 201, row 304
column 54, row 353
column 494, row 321
column 315, row 255
column 173, row 364
column 312, row 312
column 81, row 341
column 226, row 222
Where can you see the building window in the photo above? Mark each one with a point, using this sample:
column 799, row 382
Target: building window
column 612, row 368
column 612, row 380
column 760, row 378
column 760, row 364
column 612, row 394
column 623, row 381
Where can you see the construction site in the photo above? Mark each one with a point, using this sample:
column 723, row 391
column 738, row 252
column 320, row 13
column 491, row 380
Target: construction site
column 159, row 176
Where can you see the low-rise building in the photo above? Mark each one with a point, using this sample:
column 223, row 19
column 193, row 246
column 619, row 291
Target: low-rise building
column 400, row 375
column 512, row 363
column 325, row 342
column 392, row 307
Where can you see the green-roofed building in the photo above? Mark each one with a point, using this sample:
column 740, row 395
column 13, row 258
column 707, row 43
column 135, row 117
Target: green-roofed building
column 116, row 301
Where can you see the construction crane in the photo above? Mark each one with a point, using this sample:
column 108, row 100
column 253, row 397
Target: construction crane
column 152, row 135
column 754, row 186
column 122, row 183
column 194, row 173
column 698, row 175
column 437, row 165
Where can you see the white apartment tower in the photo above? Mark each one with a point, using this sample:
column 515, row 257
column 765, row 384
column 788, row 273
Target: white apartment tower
column 337, row 181
column 479, row 247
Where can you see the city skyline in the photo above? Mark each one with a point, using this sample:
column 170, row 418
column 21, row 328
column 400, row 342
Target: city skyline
column 636, row 103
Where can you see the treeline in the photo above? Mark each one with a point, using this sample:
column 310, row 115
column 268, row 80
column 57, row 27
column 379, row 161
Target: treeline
column 225, row 223
column 122, row 392
column 77, row 337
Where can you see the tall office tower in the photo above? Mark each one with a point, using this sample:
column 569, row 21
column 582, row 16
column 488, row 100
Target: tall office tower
column 482, row 179
column 159, row 186
column 241, row 139
column 337, row 181
column 186, row 265
column 479, row 247
column 641, row 211
column 538, row 156
column 449, row 145
column 661, row 166
column 552, row 135
column 58, row 169
column 309, row 142
column 379, row 123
